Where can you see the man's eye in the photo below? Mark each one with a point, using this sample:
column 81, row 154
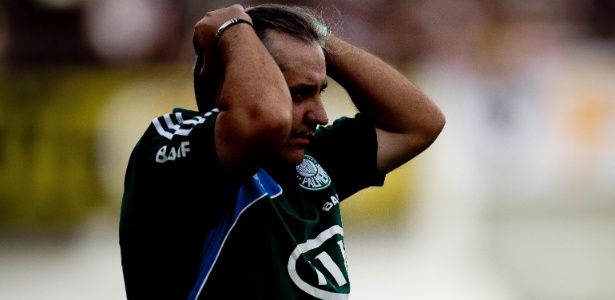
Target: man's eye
column 300, row 93
column 297, row 97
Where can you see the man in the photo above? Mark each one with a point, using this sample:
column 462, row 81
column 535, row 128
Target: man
column 241, row 200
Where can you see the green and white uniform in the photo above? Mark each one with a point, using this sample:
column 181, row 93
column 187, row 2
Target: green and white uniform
column 189, row 231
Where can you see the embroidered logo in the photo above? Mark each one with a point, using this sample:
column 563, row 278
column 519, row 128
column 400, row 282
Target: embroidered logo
column 311, row 176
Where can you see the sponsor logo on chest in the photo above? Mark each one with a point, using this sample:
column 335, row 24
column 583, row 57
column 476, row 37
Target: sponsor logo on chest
column 329, row 266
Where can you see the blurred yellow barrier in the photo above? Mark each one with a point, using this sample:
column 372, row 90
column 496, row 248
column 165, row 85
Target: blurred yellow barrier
column 66, row 135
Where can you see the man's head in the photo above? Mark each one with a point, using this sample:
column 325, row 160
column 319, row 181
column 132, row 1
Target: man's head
column 299, row 22
column 304, row 69
column 292, row 36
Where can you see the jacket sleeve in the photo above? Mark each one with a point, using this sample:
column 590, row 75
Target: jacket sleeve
column 347, row 150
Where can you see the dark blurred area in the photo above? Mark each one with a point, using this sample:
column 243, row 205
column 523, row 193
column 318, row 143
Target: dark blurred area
column 52, row 33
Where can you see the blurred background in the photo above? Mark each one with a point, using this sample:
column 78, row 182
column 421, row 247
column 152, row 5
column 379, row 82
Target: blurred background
column 515, row 200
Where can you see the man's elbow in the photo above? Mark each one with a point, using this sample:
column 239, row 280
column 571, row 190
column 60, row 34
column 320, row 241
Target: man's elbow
column 273, row 128
column 433, row 127
column 439, row 122
column 277, row 130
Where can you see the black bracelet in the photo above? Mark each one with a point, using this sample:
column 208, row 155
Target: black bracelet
column 228, row 24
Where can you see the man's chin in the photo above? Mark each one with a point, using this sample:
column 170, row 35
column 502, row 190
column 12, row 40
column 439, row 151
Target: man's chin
column 293, row 158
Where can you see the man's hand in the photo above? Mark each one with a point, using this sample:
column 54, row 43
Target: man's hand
column 204, row 40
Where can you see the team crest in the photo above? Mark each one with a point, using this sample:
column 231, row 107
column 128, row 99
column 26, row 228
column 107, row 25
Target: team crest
column 311, row 176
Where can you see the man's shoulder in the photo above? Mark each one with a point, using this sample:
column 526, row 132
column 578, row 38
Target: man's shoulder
column 185, row 111
column 179, row 122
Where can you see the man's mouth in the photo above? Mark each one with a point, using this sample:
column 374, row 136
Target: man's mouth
column 303, row 138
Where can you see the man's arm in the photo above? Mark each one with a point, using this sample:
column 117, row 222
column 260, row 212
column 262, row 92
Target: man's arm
column 407, row 122
column 253, row 98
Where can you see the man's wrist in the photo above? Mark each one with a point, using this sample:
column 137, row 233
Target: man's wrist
column 228, row 24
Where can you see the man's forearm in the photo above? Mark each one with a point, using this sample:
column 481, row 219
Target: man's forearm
column 251, row 77
column 254, row 100
column 252, row 96
column 377, row 89
column 388, row 98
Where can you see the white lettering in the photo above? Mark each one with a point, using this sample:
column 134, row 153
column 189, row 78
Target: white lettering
column 322, row 280
column 322, row 178
column 161, row 156
column 182, row 151
column 343, row 250
column 172, row 154
column 185, row 146
column 335, row 199
column 333, row 269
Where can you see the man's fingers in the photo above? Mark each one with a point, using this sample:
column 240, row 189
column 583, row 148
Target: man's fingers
column 196, row 44
column 206, row 29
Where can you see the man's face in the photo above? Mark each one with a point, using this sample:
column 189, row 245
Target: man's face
column 303, row 66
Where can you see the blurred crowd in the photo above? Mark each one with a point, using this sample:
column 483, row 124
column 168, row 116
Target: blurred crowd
column 50, row 33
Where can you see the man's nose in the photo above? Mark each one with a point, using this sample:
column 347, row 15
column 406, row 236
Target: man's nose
column 317, row 113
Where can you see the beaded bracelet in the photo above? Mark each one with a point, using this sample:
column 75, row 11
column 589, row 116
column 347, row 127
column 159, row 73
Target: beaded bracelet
column 228, row 24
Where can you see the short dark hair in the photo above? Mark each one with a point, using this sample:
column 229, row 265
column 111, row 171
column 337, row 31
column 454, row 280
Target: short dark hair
column 297, row 21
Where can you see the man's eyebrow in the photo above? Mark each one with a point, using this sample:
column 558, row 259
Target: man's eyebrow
column 304, row 87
